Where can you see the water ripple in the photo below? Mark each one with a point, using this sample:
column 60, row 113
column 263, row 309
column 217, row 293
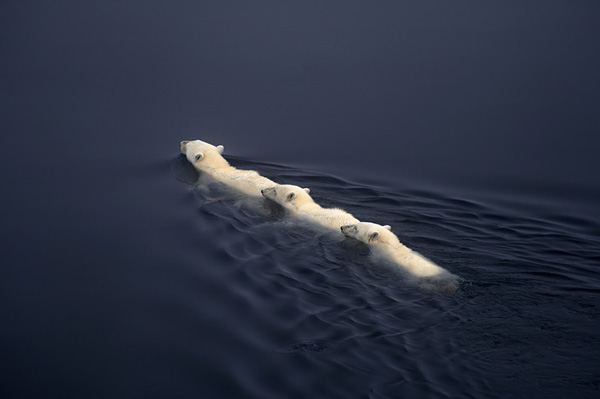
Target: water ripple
column 304, row 306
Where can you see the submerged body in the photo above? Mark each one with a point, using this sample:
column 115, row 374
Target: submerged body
column 208, row 160
column 299, row 203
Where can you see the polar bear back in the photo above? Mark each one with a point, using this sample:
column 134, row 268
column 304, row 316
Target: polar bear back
column 386, row 246
column 301, row 205
column 332, row 218
column 207, row 159
column 413, row 262
column 248, row 182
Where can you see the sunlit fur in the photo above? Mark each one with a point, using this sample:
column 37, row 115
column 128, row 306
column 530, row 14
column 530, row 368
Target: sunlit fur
column 298, row 202
column 385, row 245
column 207, row 159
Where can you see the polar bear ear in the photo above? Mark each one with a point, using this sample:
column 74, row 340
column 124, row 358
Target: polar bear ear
column 307, row 190
column 388, row 227
column 291, row 196
column 220, row 149
column 198, row 157
column 373, row 235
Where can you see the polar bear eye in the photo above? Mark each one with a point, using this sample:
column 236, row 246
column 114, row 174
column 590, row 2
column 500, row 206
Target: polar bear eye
column 291, row 196
column 198, row 157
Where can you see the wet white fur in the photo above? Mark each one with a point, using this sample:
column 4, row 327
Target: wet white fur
column 301, row 205
column 385, row 245
column 207, row 159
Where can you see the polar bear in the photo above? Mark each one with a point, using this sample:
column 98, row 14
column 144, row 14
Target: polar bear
column 301, row 205
column 208, row 160
column 385, row 246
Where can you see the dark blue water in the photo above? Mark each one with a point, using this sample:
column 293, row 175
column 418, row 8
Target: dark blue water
column 471, row 129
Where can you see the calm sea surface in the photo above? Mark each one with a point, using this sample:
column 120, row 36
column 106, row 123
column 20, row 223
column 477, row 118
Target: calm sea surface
column 471, row 129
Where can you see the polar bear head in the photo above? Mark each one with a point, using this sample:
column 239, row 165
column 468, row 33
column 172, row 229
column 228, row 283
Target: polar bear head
column 202, row 154
column 289, row 196
column 370, row 233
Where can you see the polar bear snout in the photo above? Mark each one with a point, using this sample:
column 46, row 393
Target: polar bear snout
column 183, row 146
column 268, row 192
column 348, row 229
